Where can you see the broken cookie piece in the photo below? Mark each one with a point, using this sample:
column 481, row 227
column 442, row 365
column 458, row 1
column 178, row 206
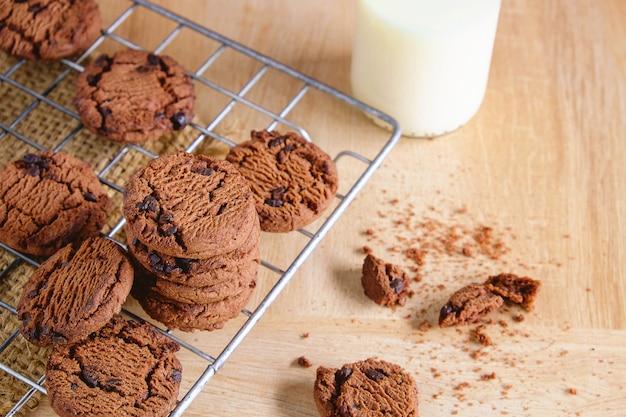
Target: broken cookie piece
column 384, row 283
column 468, row 305
column 366, row 388
column 516, row 289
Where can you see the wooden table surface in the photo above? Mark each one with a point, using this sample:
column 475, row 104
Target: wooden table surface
column 543, row 164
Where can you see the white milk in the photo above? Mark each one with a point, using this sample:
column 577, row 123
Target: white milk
column 424, row 62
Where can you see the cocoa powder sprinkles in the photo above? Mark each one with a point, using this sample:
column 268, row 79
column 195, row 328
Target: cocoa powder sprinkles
column 447, row 250
column 443, row 248
column 437, row 238
column 432, row 241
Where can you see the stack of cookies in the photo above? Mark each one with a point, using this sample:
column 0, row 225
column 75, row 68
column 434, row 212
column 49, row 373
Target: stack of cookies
column 193, row 231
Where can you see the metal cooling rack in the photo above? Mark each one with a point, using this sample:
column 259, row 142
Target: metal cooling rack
column 214, row 361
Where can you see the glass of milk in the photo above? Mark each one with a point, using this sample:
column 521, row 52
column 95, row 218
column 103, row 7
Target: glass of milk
column 424, row 62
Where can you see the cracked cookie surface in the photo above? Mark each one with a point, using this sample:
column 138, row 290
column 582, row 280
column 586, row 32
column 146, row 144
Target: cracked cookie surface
column 189, row 206
column 366, row 388
column 293, row 180
column 134, row 96
column 75, row 292
column 125, row 369
column 48, row 29
column 47, row 200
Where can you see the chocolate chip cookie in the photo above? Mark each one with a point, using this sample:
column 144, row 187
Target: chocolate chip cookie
column 198, row 272
column 47, row 200
column 366, row 388
column 125, row 369
column 293, row 180
column 204, row 295
column 75, row 292
column 48, row 29
column 192, row 316
column 134, row 96
column 189, row 206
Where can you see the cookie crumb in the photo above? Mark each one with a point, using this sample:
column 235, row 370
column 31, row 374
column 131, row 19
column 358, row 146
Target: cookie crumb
column 487, row 377
column 461, row 385
column 572, row 391
column 481, row 336
column 424, row 326
column 416, row 255
column 304, row 362
column 305, row 335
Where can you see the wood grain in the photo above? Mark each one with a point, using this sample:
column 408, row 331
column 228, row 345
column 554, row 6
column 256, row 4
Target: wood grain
column 543, row 163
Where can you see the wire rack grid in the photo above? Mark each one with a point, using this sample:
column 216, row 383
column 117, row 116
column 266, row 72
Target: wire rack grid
column 202, row 133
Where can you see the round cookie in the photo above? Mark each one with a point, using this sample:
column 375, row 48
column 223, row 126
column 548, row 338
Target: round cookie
column 198, row 272
column 293, row 180
column 48, row 200
column 200, row 295
column 125, row 369
column 134, row 96
column 189, row 206
column 366, row 388
column 192, row 316
column 48, row 29
column 75, row 292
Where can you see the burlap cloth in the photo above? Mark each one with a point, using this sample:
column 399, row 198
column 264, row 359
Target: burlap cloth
column 48, row 127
